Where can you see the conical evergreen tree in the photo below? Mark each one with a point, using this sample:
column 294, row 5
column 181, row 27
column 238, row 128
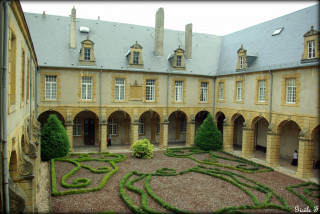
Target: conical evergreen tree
column 54, row 139
column 208, row 137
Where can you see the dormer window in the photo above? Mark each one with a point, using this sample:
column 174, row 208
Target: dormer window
column 177, row 59
column 86, row 53
column 311, row 45
column 134, row 56
column 242, row 58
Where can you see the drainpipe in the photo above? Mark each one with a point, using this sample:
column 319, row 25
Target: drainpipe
column 5, row 108
column 271, row 86
column 30, row 96
column 100, row 107
column 167, row 107
column 214, row 95
column 36, row 92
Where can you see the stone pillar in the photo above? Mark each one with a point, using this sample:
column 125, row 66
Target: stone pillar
column 305, row 158
column 134, row 131
column 69, row 128
column 190, row 135
column 104, row 134
column 164, row 134
column 273, row 149
column 227, row 137
column 247, row 142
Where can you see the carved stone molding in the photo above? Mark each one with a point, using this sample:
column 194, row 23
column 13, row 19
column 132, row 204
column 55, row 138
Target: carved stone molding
column 26, row 167
column 17, row 199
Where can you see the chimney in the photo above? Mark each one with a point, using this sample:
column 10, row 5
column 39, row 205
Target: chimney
column 44, row 14
column 188, row 41
column 159, row 32
column 73, row 29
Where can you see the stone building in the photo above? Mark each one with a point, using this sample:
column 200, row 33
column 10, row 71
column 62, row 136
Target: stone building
column 131, row 82
column 20, row 130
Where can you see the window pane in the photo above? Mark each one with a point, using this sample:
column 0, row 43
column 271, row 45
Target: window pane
column 221, row 90
column 291, row 90
column 178, row 91
column 141, row 126
column 86, row 53
column 204, row 92
column 179, row 60
column 135, row 57
column 150, row 90
column 86, row 88
column 261, row 90
column 239, row 90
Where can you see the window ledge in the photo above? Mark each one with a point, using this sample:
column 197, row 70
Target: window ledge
column 310, row 60
column 290, row 104
column 261, row 103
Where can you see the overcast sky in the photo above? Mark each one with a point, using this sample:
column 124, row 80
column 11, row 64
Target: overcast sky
column 213, row 17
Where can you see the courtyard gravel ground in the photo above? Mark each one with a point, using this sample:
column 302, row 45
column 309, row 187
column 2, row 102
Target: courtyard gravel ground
column 195, row 192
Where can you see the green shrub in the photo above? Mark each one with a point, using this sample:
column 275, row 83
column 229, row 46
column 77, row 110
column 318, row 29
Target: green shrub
column 208, row 137
column 54, row 139
column 142, row 149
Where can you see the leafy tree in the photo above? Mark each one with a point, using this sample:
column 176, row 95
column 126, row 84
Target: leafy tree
column 208, row 137
column 54, row 139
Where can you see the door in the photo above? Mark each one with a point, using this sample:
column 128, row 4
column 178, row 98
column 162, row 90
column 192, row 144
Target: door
column 89, row 131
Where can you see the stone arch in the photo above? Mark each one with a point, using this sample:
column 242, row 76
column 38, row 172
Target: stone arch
column 260, row 126
column 315, row 137
column 86, row 130
column 13, row 165
column 220, row 116
column 43, row 117
column 199, row 118
column 119, row 127
column 149, row 126
column 238, row 121
column 177, row 127
column 288, row 131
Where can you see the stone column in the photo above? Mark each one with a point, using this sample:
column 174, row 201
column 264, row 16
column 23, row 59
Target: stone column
column 164, row 134
column 273, row 149
column 305, row 158
column 247, row 142
column 227, row 137
column 134, row 131
column 104, row 134
column 69, row 128
column 190, row 135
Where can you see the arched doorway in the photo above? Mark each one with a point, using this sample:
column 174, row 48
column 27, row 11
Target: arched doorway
column 119, row 128
column 199, row 118
column 149, row 126
column 86, row 129
column 260, row 125
column 43, row 117
column 220, row 118
column 237, row 132
column 177, row 127
column 289, row 142
column 315, row 137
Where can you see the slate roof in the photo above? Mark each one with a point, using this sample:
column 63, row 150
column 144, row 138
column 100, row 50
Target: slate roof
column 112, row 43
column 211, row 54
column 273, row 52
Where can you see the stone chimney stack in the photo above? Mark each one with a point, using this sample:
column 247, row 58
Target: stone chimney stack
column 73, row 29
column 188, row 41
column 159, row 32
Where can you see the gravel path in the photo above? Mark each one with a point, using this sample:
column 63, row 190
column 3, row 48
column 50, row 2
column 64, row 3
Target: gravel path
column 195, row 192
column 44, row 183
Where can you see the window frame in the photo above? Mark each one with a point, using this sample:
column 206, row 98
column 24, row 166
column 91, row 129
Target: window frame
column 51, row 90
column 113, row 126
column 311, row 49
column 179, row 61
column 88, row 88
column 239, row 90
column 204, row 91
column 150, row 90
column 77, row 127
column 141, row 126
column 87, row 53
column 135, row 58
column 291, row 90
column 178, row 91
column 120, row 89
column 262, row 91
column 221, row 90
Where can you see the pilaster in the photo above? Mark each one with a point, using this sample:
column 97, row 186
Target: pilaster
column 305, row 158
column 104, row 132
column 227, row 137
column 69, row 128
column 190, row 134
column 164, row 134
column 247, row 143
column 273, row 149
column 134, row 131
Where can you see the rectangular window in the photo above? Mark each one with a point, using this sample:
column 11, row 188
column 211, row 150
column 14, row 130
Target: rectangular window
column 179, row 58
column 51, row 87
column 12, row 46
column 262, row 90
column 241, row 62
column 119, row 89
column 291, row 90
column 112, row 123
column 141, row 126
column 76, row 127
column 183, row 125
column 86, row 53
column 204, row 92
column 311, row 50
column 221, row 86
column 178, row 91
column 239, row 90
column 150, row 90
column 135, row 57
column 86, row 88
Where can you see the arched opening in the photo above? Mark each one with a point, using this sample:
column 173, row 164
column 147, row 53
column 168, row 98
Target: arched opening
column 13, row 166
column 119, row 128
column 149, row 126
column 86, row 129
column 289, row 142
column 177, row 128
column 260, row 137
column 199, row 118
column 237, row 132
column 43, row 117
column 315, row 137
column 220, row 118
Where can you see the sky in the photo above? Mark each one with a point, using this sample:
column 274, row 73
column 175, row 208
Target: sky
column 212, row 17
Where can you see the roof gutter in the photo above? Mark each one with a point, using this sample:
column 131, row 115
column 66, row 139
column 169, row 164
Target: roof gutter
column 5, row 108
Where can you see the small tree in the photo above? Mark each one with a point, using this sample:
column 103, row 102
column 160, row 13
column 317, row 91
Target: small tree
column 208, row 137
column 54, row 139
column 142, row 149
